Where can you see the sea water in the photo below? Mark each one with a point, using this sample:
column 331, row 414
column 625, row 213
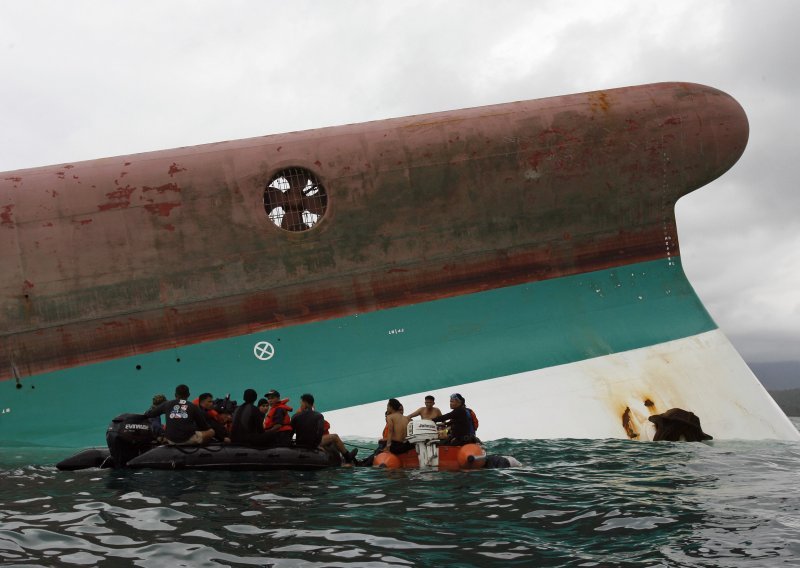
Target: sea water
column 572, row 503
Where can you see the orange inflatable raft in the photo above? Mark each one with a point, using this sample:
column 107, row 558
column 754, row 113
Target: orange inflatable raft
column 430, row 453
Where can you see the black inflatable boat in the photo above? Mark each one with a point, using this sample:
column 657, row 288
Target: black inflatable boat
column 131, row 444
column 211, row 456
column 232, row 457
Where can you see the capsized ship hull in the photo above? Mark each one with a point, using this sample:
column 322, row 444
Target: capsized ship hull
column 523, row 254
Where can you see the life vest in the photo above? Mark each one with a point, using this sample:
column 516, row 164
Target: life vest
column 286, row 425
column 473, row 421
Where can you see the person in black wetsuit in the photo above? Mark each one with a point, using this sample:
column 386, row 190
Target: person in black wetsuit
column 308, row 424
column 186, row 424
column 462, row 429
column 248, row 428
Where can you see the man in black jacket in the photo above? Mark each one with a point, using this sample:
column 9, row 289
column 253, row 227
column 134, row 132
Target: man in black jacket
column 462, row 429
column 186, row 424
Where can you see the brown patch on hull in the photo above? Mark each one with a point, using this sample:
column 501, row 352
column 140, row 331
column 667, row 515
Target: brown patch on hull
column 629, row 424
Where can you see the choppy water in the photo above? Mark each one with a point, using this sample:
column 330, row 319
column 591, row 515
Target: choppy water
column 573, row 503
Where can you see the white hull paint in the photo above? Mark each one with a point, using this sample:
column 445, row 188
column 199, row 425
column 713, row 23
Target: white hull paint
column 587, row 399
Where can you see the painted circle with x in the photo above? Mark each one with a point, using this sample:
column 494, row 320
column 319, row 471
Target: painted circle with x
column 264, row 350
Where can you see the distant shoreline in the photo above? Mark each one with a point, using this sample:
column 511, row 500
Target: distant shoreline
column 788, row 400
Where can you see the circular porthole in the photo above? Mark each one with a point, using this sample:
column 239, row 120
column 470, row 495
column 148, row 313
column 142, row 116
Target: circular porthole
column 295, row 200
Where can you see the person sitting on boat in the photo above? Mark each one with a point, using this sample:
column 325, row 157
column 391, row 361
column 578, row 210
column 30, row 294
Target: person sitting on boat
column 333, row 441
column 427, row 412
column 205, row 402
column 186, row 424
column 277, row 420
column 397, row 425
column 263, row 407
column 328, row 442
column 308, row 424
column 462, row 427
column 225, row 408
column 155, row 422
column 247, row 424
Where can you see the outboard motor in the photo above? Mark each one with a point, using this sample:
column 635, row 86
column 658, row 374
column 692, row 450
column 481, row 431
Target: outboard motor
column 425, row 437
column 128, row 436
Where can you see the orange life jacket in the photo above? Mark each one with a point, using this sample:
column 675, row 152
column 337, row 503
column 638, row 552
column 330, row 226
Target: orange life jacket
column 474, row 419
column 286, row 425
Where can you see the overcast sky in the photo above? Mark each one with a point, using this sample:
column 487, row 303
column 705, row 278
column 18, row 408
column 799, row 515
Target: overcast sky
column 84, row 80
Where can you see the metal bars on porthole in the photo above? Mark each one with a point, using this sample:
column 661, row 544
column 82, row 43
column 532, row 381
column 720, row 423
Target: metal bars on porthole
column 295, row 200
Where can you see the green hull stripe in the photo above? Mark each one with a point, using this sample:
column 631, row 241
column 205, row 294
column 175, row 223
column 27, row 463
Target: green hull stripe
column 378, row 355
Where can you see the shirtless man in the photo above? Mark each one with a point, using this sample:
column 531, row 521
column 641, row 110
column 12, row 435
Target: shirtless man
column 396, row 425
column 427, row 412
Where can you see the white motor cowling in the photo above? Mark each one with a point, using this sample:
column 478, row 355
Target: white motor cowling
column 421, row 431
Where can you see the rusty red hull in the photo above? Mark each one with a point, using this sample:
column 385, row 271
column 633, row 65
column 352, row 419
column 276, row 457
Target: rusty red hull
column 127, row 255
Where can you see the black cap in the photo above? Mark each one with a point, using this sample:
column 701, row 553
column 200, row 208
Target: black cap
column 273, row 392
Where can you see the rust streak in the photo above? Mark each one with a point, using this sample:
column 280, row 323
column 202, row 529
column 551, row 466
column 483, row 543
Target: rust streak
column 5, row 216
column 161, row 209
column 627, row 424
column 162, row 188
column 599, row 100
column 122, row 197
column 174, row 169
